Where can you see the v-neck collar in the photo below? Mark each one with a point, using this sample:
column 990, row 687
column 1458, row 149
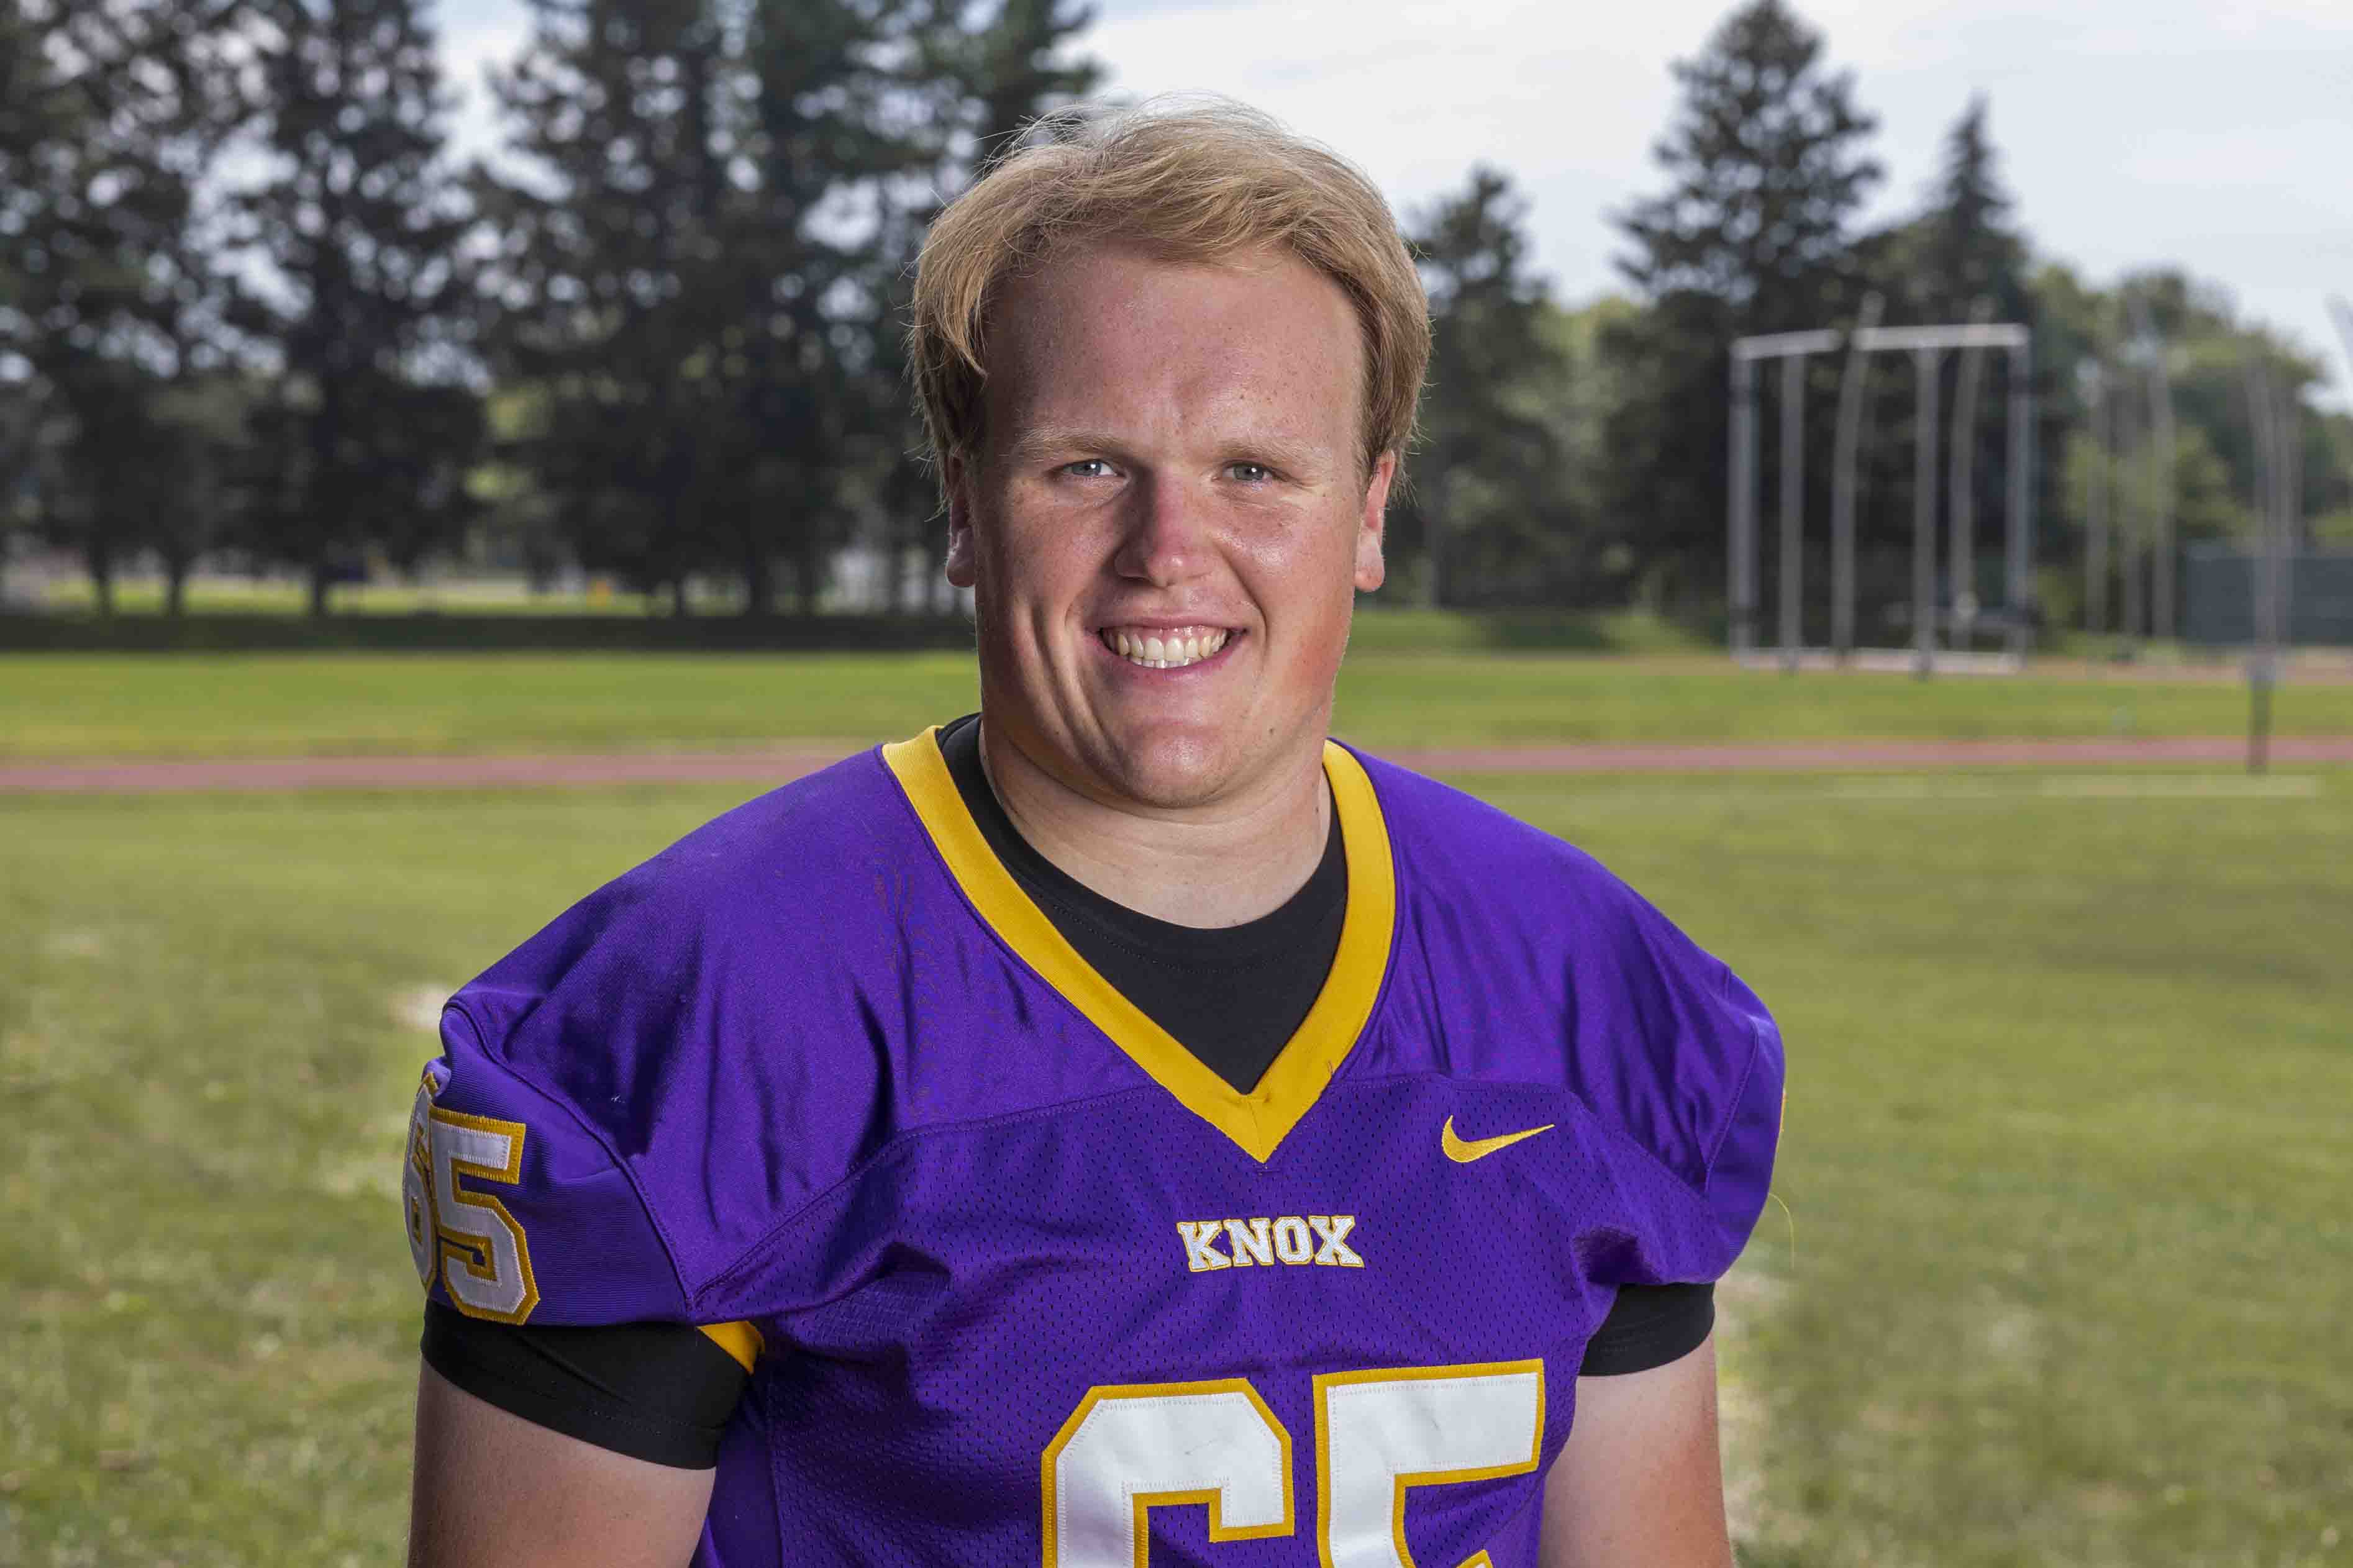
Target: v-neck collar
column 1256, row 1121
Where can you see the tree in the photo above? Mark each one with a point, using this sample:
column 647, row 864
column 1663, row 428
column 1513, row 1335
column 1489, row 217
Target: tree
column 1958, row 259
column 680, row 287
column 370, row 426
column 1970, row 251
column 1016, row 68
column 1766, row 173
column 124, row 290
column 1489, row 500
column 702, row 263
column 987, row 81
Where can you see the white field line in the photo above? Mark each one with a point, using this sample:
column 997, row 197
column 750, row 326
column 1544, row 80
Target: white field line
column 2082, row 787
column 1906, row 789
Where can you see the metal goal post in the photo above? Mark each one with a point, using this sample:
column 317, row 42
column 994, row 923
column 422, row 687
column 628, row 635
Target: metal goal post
column 1927, row 345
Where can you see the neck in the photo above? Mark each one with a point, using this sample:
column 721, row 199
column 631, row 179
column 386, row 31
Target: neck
column 1216, row 866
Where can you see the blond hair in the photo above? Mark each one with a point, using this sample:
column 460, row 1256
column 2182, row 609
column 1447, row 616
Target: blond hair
column 1190, row 179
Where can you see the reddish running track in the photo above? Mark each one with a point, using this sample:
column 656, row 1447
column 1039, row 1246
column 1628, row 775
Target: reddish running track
column 779, row 765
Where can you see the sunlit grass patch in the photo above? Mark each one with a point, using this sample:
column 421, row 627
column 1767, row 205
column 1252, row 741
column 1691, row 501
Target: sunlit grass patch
column 319, row 704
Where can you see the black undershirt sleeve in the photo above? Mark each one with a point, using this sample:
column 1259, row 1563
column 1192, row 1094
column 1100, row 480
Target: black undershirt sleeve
column 660, row 1392
column 1648, row 1326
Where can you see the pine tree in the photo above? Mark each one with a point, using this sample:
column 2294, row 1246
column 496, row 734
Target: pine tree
column 122, row 286
column 1490, row 492
column 828, row 86
column 1767, row 171
column 1017, row 70
column 1962, row 247
column 1973, row 251
column 366, row 438
column 704, row 266
column 684, row 282
column 990, row 78
column 38, row 114
column 1767, row 176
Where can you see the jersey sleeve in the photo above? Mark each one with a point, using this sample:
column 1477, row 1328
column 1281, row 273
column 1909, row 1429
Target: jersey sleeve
column 1682, row 1056
column 516, row 1211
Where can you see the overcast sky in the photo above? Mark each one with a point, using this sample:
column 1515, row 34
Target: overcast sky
column 2133, row 133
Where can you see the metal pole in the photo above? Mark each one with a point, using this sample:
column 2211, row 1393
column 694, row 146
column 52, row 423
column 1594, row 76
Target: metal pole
column 1963, row 482
column 2287, row 432
column 1850, row 421
column 2018, row 536
column 1740, row 512
column 1924, row 516
column 1793, row 497
column 2262, row 658
column 2133, row 622
column 2095, row 507
column 2160, row 455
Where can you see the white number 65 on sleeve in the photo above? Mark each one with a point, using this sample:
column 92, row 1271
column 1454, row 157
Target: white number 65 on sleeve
column 467, row 1238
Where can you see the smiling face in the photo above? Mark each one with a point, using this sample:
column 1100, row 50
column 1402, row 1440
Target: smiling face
column 1167, row 523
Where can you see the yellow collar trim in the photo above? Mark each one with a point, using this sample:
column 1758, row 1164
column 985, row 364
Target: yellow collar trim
column 1257, row 1120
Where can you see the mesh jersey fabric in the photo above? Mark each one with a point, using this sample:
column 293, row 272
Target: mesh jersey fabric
column 808, row 1069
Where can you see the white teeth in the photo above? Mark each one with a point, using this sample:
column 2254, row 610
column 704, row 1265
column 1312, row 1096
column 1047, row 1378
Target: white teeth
column 1169, row 652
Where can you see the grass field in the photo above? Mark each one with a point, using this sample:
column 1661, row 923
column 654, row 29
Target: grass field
column 2066, row 1152
column 68, row 705
column 212, row 595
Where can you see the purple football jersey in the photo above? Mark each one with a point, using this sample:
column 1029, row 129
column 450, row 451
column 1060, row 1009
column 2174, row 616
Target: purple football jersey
column 1021, row 1281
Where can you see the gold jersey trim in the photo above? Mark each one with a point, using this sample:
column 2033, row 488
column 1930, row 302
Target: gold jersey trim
column 740, row 1339
column 1258, row 1121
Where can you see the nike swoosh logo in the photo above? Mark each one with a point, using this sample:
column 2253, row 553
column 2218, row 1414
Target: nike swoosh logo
column 1463, row 1151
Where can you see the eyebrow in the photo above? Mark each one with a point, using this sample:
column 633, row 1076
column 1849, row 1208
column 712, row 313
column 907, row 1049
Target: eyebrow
column 1035, row 445
column 1280, row 451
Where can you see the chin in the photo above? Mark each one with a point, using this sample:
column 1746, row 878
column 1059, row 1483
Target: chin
column 1170, row 769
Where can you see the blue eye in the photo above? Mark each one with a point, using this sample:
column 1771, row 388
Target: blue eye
column 1252, row 472
column 1095, row 463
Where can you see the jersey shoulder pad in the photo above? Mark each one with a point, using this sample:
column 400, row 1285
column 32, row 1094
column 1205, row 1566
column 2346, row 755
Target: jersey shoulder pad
column 1663, row 1041
column 516, row 1211
column 695, row 1020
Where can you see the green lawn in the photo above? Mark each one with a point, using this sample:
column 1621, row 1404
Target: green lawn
column 282, row 596
column 66, row 705
column 2066, row 1161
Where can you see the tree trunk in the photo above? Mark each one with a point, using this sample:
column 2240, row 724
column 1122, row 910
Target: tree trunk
column 678, row 605
column 175, row 586
column 808, row 572
column 319, row 590
column 902, row 580
column 759, row 584
column 101, row 583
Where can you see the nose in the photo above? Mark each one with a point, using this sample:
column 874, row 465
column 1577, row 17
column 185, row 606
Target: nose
column 1165, row 539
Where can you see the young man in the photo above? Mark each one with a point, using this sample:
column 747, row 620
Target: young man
column 1122, row 1126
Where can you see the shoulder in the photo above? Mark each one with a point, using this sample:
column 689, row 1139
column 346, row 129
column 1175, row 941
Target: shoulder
column 1595, row 987
column 1458, row 854
column 814, row 855
column 695, row 1020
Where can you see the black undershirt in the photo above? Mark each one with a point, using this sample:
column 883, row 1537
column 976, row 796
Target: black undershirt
column 1231, row 995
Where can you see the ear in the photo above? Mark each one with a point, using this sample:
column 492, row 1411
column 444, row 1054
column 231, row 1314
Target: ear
column 1371, row 522
column 962, row 557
